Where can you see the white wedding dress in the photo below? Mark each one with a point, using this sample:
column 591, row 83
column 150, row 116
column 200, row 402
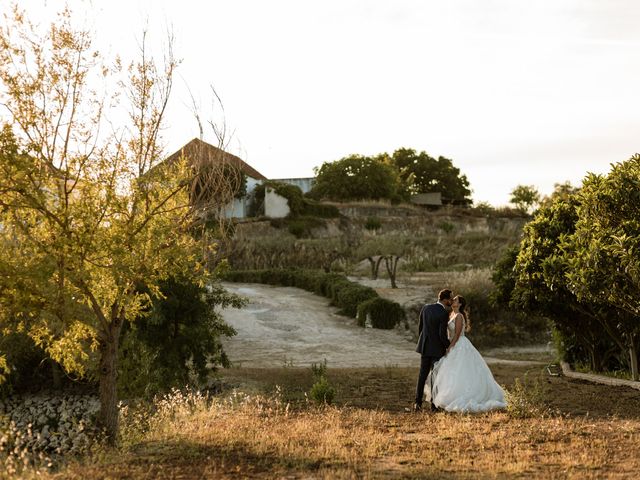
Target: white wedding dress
column 461, row 381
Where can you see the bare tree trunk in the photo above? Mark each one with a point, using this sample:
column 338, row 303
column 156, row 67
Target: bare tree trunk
column 375, row 266
column 108, row 415
column 391, row 262
column 633, row 360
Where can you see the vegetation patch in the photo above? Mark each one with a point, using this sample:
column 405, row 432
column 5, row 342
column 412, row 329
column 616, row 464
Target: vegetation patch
column 383, row 313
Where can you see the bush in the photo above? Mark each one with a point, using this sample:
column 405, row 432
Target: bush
column 349, row 297
column 373, row 223
column 446, row 227
column 28, row 364
column 322, row 392
column 301, row 227
column 177, row 343
column 384, row 313
column 526, row 400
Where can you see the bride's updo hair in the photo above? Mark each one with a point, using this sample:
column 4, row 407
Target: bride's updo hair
column 464, row 310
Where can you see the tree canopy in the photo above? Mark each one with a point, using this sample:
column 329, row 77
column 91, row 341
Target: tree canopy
column 87, row 215
column 576, row 265
column 394, row 177
column 357, row 177
column 525, row 198
column 421, row 173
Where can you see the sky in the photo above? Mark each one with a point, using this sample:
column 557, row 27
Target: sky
column 513, row 91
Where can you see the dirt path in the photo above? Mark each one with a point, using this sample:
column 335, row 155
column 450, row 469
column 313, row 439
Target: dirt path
column 286, row 326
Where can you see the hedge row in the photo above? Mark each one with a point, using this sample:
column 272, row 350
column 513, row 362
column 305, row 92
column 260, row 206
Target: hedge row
column 350, row 297
column 382, row 312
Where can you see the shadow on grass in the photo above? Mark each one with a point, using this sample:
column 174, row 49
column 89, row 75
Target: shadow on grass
column 184, row 459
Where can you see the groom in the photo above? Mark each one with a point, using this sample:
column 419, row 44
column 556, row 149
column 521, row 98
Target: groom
column 433, row 341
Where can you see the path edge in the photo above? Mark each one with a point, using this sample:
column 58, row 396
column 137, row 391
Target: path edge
column 590, row 377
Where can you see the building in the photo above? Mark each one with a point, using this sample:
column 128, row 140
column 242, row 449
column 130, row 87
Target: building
column 200, row 152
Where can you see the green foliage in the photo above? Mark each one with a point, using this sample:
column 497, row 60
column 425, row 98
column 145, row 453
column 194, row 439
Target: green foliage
column 356, row 178
column 421, row 173
column 565, row 269
column 526, row 399
column 384, row 313
column 319, row 370
column 26, row 363
column 321, row 392
column 525, row 197
column 177, row 343
column 301, row 227
column 372, row 223
column 446, row 227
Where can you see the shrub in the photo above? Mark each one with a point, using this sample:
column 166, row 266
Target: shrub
column 301, row 227
column 384, row 313
column 178, row 341
column 27, row 363
column 349, row 297
column 446, row 227
column 526, row 400
column 372, row 223
column 322, row 392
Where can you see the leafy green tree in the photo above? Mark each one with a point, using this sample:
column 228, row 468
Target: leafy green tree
column 605, row 266
column 541, row 285
column 357, row 178
column 525, row 198
column 422, row 173
column 85, row 215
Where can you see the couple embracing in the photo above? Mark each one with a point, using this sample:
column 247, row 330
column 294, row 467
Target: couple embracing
column 453, row 375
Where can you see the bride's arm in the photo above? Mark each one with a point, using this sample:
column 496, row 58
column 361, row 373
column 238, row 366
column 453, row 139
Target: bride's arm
column 457, row 333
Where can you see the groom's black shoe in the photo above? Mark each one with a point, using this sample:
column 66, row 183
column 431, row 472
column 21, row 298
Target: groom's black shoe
column 434, row 408
column 417, row 407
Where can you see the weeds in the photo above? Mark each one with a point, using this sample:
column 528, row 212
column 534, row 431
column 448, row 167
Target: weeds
column 526, row 399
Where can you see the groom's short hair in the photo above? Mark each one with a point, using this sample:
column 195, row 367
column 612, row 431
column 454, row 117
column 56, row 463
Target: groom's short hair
column 444, row 294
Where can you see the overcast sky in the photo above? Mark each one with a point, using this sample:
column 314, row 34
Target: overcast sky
column 513, row 91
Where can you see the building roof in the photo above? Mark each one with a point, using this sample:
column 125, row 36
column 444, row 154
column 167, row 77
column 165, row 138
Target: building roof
column 198, row 151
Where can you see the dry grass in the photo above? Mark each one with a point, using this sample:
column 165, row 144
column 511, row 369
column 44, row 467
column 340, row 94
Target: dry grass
column 589, row 431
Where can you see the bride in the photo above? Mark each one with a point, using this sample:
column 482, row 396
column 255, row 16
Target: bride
column 461, row 381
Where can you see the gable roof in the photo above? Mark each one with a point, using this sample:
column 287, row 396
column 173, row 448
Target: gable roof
column 198, row 151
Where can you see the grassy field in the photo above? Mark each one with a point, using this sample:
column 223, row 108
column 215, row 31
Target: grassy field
column 566, row 429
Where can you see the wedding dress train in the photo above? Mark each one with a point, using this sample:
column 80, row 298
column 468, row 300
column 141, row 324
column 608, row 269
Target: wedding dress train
column 461, row 381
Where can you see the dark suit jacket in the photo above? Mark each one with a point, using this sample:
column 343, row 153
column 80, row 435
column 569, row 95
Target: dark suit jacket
column 433, row 341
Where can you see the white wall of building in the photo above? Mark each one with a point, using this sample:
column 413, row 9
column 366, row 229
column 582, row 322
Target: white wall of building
column 275, row 206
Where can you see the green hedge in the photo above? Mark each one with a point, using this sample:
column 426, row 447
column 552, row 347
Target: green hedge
column 384, row 313
column 344, row 294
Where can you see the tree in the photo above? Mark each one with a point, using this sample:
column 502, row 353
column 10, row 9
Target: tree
column 422, row 173
column 387, row 249
column 87, row 215
column 605, row 266
column 525, row 198
column 356, row 178
column 538, row 280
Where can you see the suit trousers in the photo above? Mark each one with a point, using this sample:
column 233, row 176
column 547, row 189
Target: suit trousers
column 426, row 364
